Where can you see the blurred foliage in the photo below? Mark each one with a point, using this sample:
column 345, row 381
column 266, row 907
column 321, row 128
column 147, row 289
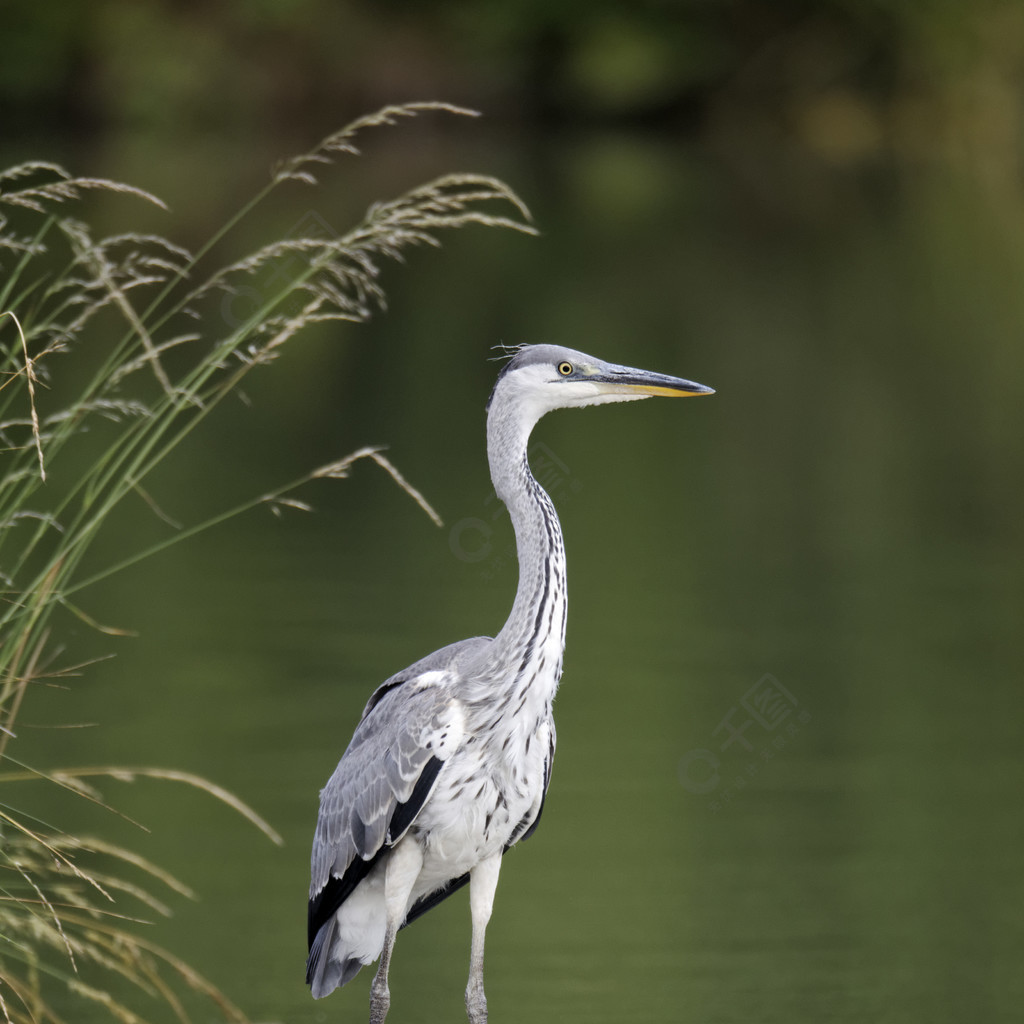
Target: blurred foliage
column 844, row 77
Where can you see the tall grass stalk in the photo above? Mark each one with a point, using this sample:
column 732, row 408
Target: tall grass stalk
column 150, row 316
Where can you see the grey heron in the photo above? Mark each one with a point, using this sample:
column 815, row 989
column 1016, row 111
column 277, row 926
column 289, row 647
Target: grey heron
column 450, row 762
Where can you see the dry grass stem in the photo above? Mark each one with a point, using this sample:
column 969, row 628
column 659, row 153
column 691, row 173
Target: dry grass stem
column 189, row 779
column 95, row 257
column 63, row 188
column 30, row 381
column 339, row 470
column 343, row 141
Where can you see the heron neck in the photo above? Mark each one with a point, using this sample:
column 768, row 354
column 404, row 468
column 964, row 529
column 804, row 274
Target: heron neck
column 533, row 637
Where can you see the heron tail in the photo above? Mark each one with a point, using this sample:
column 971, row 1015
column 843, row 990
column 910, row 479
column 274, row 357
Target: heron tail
column 326, row 972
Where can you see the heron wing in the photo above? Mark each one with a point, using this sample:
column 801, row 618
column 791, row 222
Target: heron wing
column 409, row 728
column 445, row 659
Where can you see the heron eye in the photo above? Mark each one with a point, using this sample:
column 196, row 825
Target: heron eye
column 565, row 368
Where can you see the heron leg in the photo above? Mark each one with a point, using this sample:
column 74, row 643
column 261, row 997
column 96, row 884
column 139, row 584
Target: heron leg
column 483, row 880
column 380, row 995
column 403, row 867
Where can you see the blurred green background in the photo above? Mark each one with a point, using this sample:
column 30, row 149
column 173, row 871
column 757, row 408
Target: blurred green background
column 815, row 208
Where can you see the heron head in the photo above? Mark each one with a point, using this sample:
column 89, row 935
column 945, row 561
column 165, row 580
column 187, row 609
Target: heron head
column 540, row 378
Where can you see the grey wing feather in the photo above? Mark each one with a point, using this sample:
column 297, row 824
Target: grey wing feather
column 448, row 658
column 402, row 728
